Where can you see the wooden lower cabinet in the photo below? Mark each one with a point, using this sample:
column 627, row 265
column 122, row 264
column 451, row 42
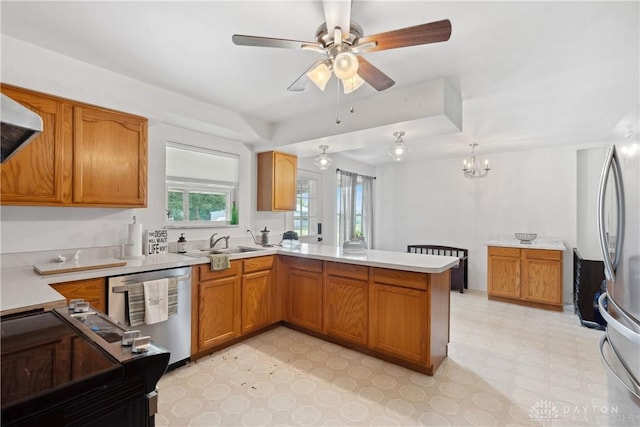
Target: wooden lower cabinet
column 231, row 303
column 305, row 299
column 346, row 305
column 525, row 276
column 398, row 321
column 91, row 290
column 257, row 293
column 218, row 305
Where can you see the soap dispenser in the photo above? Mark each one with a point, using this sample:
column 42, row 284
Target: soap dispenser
column 182, row 244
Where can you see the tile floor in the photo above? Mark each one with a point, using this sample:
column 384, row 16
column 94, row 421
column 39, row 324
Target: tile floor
column 507, row 365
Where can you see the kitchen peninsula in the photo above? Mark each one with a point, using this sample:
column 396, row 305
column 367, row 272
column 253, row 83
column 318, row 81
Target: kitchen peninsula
column 391, row 305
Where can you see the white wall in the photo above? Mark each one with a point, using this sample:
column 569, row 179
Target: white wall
column 432, row 203
column 26, row 229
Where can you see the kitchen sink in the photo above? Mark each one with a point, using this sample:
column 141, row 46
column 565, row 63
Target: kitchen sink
column 235, row 250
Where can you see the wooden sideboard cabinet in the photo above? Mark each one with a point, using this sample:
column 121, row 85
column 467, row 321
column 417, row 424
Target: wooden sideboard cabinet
column 85, row 156
column 277, row 181
column 92, row 290
column 525, row 276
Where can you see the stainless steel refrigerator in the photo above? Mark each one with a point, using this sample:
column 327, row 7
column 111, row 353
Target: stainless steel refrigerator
column 619, row 230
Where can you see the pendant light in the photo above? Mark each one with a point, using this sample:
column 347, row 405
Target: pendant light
column 323, row 161
column 471, row 167
column 399, row 151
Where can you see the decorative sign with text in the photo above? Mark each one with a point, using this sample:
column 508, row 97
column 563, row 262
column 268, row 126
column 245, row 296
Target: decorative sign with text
column 157, row 242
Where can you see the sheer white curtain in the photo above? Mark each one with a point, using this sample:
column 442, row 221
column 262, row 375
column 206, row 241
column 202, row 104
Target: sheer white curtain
column 348, row 206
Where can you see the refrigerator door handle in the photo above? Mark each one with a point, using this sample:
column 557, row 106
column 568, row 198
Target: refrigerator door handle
column 634, row 386
column 614, row 323
column 611, row 164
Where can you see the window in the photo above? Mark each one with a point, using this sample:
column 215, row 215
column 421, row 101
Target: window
column 354, row 207
column 305, row 217
column 201, row 185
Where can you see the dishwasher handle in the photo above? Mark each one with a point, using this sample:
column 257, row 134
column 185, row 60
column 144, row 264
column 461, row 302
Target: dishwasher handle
column 120, row 289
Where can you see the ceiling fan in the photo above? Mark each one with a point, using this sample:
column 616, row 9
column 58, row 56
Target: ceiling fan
column 342, row 42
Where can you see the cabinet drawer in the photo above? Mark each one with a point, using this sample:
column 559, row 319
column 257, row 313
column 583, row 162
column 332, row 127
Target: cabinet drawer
column 91, row 290
column 502, row 251
column 306, row 264
column 407, row 279
column 542, row 254
column 348, row 270
column 258, row 264
column 207, row 274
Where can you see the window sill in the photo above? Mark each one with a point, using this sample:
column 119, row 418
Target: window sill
column 184, row 225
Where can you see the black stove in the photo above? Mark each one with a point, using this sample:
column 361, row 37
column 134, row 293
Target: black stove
column 63, row 368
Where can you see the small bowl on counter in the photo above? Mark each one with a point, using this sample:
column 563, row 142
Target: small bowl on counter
column 526, row 238
column 354, row 247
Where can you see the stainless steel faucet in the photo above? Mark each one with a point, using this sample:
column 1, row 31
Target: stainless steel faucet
column 212, row 243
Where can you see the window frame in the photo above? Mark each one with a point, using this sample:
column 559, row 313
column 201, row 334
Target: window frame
column 317, row 211
column 192, row 185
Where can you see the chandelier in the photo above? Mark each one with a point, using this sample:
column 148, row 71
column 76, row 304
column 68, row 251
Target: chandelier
column 399, row 150
column 323, row 161
column 471, row 167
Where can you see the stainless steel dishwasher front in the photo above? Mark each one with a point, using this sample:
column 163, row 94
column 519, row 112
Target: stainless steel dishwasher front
column 174, row 334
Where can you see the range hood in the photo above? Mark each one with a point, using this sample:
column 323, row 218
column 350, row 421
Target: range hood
column 19, row 126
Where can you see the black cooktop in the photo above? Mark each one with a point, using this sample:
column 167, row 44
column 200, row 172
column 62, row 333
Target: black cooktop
column 42, row 353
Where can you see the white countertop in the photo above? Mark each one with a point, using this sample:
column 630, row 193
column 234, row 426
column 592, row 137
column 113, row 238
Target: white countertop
column 23, row 289
column 537, row 243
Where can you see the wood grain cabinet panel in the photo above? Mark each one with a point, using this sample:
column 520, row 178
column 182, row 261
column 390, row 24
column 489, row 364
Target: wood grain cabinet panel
column 347, row 309
column 398, row 321
column 91, row 290
column 85, row 156
column 219, row 311
column 305, row 299
column 504, row 273
column 110, row 158
column 277, row 174
column 40, row 173
column 525, row 276
column 256, row 300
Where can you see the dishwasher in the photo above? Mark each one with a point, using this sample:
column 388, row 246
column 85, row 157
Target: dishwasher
column 174, row 334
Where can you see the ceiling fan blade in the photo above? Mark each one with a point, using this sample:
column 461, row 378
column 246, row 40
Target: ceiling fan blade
column 301, row 82
column 242, row 40
column 337, row 13
column 372, row 75
column 432, row 32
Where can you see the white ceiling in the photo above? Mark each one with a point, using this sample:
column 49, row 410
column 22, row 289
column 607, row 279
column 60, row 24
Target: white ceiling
column 530, row 74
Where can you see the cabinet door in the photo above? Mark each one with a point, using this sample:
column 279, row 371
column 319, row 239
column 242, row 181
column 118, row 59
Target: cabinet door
column 256, row 300
column 91, row 290
column 284, row 192
column 276, row 181
column 219, row 311
column 40, row 173
column 503, row 272
column 347, row 309
column 542, row 276
column 110, row 158
column 398, row 321
column 305, row 299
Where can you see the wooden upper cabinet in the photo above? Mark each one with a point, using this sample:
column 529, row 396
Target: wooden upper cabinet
column 40, row 173
column 277, row 181
column 110, row 158
column 85, row 156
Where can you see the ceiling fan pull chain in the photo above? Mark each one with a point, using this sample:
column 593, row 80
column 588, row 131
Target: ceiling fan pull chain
column 338, row 102
column 351, row 110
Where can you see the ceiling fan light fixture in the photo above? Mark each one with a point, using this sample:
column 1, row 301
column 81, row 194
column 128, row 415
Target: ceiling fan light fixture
column 399, row 151
column 352, row 84
column 323, row 161
column 345, row 65
column 320, row 76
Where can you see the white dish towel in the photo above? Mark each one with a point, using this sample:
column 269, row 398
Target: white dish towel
column 156, row 301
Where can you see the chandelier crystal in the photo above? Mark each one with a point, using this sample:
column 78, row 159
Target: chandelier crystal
column 323, row 161
column 471, row 167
